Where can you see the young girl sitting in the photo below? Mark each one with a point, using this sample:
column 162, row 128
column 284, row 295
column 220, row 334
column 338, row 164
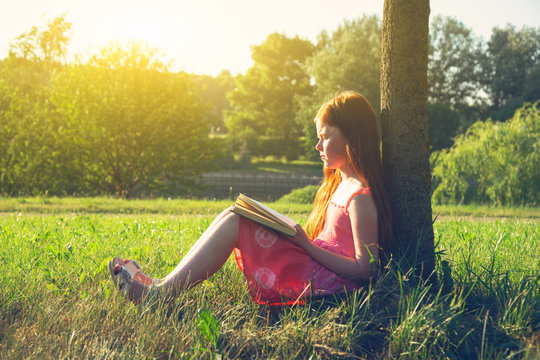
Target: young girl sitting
column 343, row 238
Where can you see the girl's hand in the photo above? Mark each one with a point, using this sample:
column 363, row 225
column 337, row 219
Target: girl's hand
column 301, row 238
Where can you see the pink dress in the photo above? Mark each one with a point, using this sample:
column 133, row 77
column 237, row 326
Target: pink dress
column 279, row 272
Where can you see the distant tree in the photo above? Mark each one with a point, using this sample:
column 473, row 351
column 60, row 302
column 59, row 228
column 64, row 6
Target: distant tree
column 213, row 90
column 31, row 153
column 511, row 56
column 264, row 101
column 47, row 45
column 531, row 87
column 405, row 144
column 454, row 74
column 349, row 59
column 138, row 126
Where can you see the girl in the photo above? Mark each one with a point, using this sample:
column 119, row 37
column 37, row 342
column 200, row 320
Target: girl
column 340, row 247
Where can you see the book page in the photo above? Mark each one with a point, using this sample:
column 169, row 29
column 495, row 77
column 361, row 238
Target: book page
column 279, row 217
column 252, row 214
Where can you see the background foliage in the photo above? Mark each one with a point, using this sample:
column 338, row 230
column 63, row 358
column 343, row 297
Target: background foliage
column 119, row 123
column 494, row 162
column 151, row 121
column 122, row 123
column 264, row 100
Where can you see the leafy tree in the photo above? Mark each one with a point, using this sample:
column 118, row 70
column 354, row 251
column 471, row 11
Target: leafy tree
column 120, row 123
column 456, row 92
column 30, row 141
column 511, row 57
column 12, row 123
column 494, row 162
column 213, row 90
column 264, row 100
column 48, row 45
column 405, row 146
column 454, row 75
column 137, row 124
column 531, row 87
column 349, row 59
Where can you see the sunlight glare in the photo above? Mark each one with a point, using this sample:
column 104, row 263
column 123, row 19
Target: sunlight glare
column 140, row 29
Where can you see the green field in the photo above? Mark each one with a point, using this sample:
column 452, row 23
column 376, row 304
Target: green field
column 57, row 301
column 182, row 207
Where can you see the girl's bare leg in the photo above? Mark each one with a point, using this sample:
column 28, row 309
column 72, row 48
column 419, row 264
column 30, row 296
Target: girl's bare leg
column 209, row 229
column 206, row 257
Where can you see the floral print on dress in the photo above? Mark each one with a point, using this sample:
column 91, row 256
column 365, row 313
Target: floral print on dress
column 265, row 237
column 265, row 278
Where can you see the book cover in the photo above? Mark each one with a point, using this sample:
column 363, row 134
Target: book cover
column 262, row 214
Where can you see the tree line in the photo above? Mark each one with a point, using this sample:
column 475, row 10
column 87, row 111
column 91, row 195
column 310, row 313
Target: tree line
column 469, row 80
column 122, row 122
column 119, row 123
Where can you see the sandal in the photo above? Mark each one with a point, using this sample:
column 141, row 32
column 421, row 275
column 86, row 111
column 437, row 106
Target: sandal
column 129, row 278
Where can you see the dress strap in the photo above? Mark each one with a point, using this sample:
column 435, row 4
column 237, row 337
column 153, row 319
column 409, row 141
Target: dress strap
column 363, row 190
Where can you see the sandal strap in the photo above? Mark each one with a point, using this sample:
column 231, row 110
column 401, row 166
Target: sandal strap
column 125, row 280
column 126, row 274
column 154, row 292
column 131, row 267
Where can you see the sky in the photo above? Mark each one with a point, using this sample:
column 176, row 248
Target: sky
column 208, row 36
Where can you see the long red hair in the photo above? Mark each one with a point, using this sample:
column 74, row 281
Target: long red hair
column 352, row 113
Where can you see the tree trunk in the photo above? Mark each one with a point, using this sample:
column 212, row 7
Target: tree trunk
column 404, row 119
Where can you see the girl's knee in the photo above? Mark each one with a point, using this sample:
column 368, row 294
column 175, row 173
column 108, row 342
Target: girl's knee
column 227, row 216
column 222, row 215
column 232, row 217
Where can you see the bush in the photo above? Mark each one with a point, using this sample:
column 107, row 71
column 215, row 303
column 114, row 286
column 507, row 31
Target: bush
column 120, row 123
column 305, row 195
column 494, row 162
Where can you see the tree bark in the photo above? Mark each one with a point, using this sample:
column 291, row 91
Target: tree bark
column 405, row 144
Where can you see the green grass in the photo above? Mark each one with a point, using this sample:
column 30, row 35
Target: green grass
column 108, row 205
column 183, row 207
column 486, row 211
column 57, row 301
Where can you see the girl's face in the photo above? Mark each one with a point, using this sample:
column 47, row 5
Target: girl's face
column 331, row 146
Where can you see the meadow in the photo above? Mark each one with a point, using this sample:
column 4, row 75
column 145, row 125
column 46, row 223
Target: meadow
column 57, row 299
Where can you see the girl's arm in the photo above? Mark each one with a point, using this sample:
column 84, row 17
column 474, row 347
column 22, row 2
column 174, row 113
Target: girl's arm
column 363, row 215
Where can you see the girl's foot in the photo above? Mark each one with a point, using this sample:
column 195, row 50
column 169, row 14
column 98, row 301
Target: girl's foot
column 130, row 280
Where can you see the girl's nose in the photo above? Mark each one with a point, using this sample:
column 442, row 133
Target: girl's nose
column 318, row 147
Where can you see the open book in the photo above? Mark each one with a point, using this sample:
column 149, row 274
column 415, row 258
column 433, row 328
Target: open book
column 254, row 210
